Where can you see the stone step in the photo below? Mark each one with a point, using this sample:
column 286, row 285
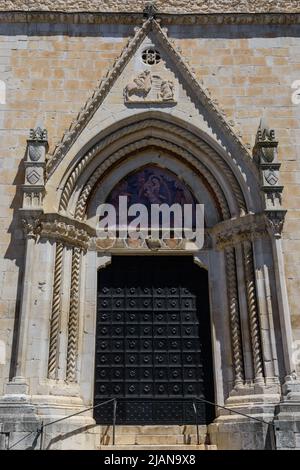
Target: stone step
column 158, row 447
column 123, row 439
column 161, row 430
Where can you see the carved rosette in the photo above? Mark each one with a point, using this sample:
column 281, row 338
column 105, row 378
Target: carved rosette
column 234, row 314
column 253, row 313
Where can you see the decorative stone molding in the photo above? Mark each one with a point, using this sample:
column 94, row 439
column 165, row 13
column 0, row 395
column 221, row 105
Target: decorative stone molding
column 167, row 6
column 275, row 220
column 173, row 130
column 234, row 231
column 253, row 313
column 97, row 98
column 218, row 116
column 115, row 245
column 135, row 18
column 72, row 349
column 35, row 162
column 266, row 157
column 56, row 313
column 203, row 172
column 234, row 315
column 66, row 230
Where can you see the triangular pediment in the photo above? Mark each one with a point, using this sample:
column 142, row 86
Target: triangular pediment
column 149, row 74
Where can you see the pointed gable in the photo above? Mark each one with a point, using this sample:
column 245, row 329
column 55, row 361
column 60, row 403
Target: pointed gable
column 172, row 88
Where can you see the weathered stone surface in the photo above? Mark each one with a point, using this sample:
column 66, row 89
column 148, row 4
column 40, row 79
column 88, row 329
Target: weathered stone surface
column 51, row 71
column 170, row 6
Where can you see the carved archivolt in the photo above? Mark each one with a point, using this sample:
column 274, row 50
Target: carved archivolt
column 173, row 130
column 83, row 198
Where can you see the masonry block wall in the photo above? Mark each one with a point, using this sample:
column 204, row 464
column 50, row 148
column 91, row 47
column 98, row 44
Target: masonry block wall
column 51, row 69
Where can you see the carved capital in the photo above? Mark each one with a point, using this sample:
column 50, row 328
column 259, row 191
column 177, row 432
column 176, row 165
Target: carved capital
column 275, row 220
column 31, row 226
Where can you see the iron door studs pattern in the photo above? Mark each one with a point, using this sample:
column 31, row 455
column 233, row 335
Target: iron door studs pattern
column 153, row 350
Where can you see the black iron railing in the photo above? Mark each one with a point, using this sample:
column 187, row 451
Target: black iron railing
column 271, row 425
column 40, row 432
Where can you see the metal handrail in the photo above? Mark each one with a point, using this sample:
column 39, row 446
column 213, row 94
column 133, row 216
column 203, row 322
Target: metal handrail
column 40, row 431
column 196, row 419
column 268, row 423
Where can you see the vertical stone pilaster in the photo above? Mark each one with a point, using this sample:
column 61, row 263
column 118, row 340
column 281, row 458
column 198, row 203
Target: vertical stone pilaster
column 253, row 314
column 31, row 226
column 234, row 314
column 72, row 350
column 56, row 312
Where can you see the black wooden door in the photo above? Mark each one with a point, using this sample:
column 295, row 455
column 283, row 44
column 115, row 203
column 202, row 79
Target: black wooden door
column 153, row 348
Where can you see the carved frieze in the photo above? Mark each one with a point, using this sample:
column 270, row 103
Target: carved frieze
column 234, row 231
column 68, row 233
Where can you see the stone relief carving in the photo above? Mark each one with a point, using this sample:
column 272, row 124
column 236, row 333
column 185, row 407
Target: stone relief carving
column 32, row 227
column 35, row 162
column 149, row 88
column 167, row 90
column 66, row 232
column 139, row 87
column 33, row 177
column 266, row 158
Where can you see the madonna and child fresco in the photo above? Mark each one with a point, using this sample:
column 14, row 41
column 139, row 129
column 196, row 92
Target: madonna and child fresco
column 152, row 187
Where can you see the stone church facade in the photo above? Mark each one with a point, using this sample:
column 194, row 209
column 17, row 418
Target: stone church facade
column 201, row 97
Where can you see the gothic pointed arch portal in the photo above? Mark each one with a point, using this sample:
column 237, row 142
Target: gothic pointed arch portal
column 246, row 344
column 150, row 110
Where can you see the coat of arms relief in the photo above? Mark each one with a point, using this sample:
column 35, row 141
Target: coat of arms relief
column 149, row 87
